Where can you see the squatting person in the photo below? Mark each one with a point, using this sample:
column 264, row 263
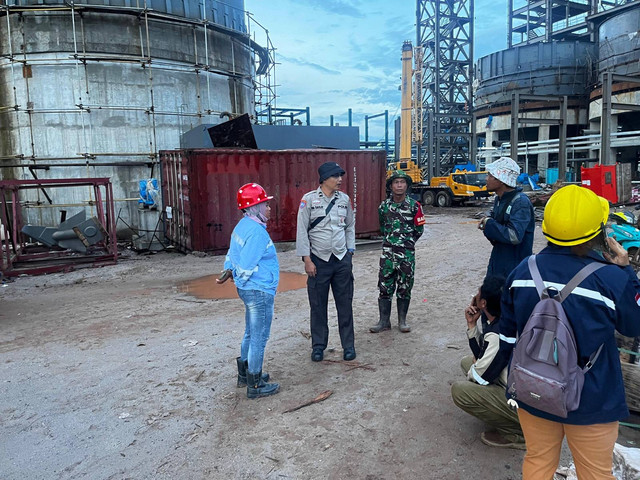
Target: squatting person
column 483, row 393
column 401, row 224
column 253, row 263
column 326, row 241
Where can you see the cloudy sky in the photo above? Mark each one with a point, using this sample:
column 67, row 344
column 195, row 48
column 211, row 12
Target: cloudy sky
column 338, row 54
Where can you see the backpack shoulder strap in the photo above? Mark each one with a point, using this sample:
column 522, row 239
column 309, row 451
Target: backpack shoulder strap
column 566, row 291
column 535, row 275
column 578, row 278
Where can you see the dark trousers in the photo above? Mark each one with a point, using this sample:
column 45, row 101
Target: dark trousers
column 338, row 275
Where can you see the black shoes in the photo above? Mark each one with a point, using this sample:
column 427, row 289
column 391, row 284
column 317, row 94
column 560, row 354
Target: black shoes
column 349, row 354
column 317, row 355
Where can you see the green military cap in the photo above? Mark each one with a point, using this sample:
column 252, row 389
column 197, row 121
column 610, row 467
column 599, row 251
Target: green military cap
column 399, row 174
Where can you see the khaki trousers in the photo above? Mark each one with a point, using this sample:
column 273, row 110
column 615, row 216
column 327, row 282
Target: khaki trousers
column 591, row 447
column 487, row 403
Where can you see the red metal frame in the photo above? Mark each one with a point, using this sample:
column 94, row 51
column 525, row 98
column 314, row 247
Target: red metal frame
column 19, row 258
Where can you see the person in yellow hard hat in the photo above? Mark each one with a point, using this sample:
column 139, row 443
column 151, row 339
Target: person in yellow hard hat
column 606, row 300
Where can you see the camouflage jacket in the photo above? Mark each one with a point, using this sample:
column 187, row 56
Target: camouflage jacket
column 401, row 224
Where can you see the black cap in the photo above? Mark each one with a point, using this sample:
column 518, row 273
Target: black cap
column 329, row 169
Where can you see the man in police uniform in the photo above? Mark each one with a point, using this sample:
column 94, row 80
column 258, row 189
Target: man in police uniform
column 401, row 224
column 326, row 241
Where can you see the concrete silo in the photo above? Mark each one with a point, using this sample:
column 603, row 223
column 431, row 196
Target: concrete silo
column 96, row 89
column 554, row 70
column 613, row 106
column 568, row 86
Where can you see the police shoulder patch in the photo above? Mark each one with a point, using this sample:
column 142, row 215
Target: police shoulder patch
column 303, row 204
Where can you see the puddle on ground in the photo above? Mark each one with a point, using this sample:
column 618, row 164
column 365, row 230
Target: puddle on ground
column 207, row 288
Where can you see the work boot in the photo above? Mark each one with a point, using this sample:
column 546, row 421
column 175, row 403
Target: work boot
column 494, row 439
column 403, row 308
column 384, row 306
column 242, row 373
column 256, row 386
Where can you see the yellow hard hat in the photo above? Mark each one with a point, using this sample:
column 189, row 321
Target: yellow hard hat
column 574, row 215
column 624, row 217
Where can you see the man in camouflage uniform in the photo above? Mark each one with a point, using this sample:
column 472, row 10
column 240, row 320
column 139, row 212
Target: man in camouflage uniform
column 401, row 223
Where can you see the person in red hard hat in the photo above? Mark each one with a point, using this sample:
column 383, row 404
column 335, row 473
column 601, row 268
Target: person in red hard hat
column 253, row 263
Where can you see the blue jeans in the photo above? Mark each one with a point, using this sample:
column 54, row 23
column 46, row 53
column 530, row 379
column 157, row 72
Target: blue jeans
column 258, row 316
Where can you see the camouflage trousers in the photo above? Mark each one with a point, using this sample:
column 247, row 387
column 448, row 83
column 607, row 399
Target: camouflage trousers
column 397, row 267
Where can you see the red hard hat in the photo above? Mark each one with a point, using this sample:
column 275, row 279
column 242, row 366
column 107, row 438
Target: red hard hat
column 251, row 194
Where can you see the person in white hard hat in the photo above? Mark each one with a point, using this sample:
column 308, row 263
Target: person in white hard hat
column 511, row 223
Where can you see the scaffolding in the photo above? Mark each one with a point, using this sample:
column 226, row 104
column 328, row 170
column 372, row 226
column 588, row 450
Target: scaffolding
column 265, row 79
column 22, row 65
column 445, row 38
column 92, row 90
column 532, row 21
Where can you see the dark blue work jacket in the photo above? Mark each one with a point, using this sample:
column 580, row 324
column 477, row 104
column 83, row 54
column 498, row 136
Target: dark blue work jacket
column 605, row 301
column 510, row 231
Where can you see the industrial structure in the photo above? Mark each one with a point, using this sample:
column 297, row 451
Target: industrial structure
column 443, row 67
column 566, row 92
column 96, row 88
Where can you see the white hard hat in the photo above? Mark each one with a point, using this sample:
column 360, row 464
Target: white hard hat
column 505, row 170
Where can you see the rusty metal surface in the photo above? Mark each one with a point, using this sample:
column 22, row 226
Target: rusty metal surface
column 20, row 257
column 199, row 190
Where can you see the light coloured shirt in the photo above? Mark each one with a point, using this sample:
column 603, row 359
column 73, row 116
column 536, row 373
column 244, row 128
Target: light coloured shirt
column 252, row 257
column 336, row 234
column 492, row 340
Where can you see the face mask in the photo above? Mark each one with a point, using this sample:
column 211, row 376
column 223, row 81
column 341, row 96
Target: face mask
column 258, row 213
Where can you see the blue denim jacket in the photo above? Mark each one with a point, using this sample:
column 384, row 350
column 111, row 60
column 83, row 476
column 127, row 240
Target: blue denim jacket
column 252, row 258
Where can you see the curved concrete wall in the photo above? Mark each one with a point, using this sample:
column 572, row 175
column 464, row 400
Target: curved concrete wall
column 228, row 13
column 556, row 68
column 619, row 46
column 106, row 86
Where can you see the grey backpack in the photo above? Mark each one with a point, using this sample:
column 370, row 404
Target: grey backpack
column 544, row 371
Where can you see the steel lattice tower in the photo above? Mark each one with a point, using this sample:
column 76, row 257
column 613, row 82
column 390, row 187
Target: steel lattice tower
column 445, row 35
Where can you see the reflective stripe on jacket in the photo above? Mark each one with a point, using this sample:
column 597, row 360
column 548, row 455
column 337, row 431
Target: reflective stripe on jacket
column 606, row 301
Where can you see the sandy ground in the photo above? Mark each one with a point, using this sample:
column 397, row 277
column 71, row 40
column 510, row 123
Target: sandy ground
column 114, row 373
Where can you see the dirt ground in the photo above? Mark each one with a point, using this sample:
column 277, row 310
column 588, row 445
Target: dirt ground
column 115, row 373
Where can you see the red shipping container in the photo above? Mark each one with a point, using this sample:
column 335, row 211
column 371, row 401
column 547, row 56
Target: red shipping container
column 601, row 180
column 199, row 190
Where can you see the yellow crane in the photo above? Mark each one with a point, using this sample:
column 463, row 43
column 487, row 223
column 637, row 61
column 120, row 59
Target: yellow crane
column 458, row 186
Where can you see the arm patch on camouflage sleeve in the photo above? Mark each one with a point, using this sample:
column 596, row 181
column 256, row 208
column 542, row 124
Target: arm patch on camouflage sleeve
column 419, row 219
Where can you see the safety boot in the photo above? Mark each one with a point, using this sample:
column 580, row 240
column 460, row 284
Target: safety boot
column 384, row 306
column 242, row 373
column 403, row 308
column 257, row 387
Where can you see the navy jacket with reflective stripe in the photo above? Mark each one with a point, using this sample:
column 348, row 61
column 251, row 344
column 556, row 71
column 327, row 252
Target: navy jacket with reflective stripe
column 606, row 301
column 510, row 233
